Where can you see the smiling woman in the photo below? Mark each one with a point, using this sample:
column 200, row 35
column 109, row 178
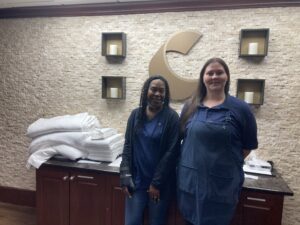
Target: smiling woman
column 215, row 79
column 218, row 132
column 150, row 152
column 156, row 95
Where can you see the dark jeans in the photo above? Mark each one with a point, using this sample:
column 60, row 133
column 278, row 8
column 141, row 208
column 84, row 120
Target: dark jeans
column 135, row 206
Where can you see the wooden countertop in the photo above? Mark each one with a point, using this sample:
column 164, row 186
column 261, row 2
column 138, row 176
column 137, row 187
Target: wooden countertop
column 269, row 184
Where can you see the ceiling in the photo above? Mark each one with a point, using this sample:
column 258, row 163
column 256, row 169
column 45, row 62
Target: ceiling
column 28, row 3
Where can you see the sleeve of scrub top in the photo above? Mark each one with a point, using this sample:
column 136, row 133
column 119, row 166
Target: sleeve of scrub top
column 126, row 155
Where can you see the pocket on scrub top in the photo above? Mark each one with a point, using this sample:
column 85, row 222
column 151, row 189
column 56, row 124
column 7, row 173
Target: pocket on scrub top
column 186, row 192
column 222, row 185
column 187, row 179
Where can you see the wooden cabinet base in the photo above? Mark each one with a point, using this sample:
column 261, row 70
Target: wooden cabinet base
column 67, row 196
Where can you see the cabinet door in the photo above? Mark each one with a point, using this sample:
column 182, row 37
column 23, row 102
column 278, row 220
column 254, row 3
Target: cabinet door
column 116, row 202
column 261, row 208
column 87, row 198
column 237, row 218
column 52, row 197
column 172, row 213
column 178, row 217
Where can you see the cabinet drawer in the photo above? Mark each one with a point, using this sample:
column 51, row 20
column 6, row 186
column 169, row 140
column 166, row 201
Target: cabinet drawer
column 260, row 199
column 261, row 208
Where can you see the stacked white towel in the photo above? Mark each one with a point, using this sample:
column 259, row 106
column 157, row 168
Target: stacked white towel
column 77, row 122
column 74, row 137
column 111, row 148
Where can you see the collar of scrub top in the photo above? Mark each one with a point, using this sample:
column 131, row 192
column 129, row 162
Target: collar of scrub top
column 223, row 105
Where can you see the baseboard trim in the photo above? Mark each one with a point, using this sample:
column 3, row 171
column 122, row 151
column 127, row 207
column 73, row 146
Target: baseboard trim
column 18, row 196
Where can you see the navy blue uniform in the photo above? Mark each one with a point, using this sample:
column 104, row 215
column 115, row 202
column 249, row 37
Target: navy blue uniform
column 150, row 154
column 210, row 174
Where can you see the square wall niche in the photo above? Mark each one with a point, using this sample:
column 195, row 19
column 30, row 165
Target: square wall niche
column 114, row 45
column 254, row 42
column 251, row 91
column 113, row 87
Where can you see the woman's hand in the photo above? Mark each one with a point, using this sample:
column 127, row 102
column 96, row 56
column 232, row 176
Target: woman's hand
column 154, row 193
column 126, row 192
column 127, row 184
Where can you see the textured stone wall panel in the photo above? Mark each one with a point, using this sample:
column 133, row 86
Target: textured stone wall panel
column 53, row 66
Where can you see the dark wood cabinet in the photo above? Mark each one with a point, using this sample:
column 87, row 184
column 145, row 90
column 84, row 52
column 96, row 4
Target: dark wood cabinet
column 237, row 218
column 78, row 195
column 116, row 201
column 52, row 197
column 67, row 197
column 254, row 207
column 261, row 208
column 87, row 198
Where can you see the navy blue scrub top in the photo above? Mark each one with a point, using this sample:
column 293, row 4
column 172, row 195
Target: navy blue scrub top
column 146, row 151
column 242, row 124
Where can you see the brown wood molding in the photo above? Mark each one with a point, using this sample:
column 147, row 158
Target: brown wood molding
column 17, row 196
column 121, row 8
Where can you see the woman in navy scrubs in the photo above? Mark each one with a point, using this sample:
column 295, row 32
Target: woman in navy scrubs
column 150, row 153
column 219, row 131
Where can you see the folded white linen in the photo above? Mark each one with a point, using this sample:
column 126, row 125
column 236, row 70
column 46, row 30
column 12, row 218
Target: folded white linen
column 77, row 122
column 79, row 140
column 105, row 148
column 70, row 152
column 39, row 157
column 42, row 155
column 102, row 133
column 74, row 139
column 90, row 144
column 106, row 153
column 106, row 156
column 116, row 163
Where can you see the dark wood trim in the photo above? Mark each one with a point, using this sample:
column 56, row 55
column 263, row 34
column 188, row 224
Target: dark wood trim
column 121, row 8
column 17, row 196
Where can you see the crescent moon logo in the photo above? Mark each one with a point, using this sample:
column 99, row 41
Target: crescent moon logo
column 182, row 42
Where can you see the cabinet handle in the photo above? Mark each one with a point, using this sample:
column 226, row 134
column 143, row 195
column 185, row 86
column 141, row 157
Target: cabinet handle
column 256, row 199
column 256, row 207
column 85, row 177
column 72, row 177
column 65, row 177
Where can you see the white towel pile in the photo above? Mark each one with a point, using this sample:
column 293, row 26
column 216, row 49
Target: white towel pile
column 73, row 137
